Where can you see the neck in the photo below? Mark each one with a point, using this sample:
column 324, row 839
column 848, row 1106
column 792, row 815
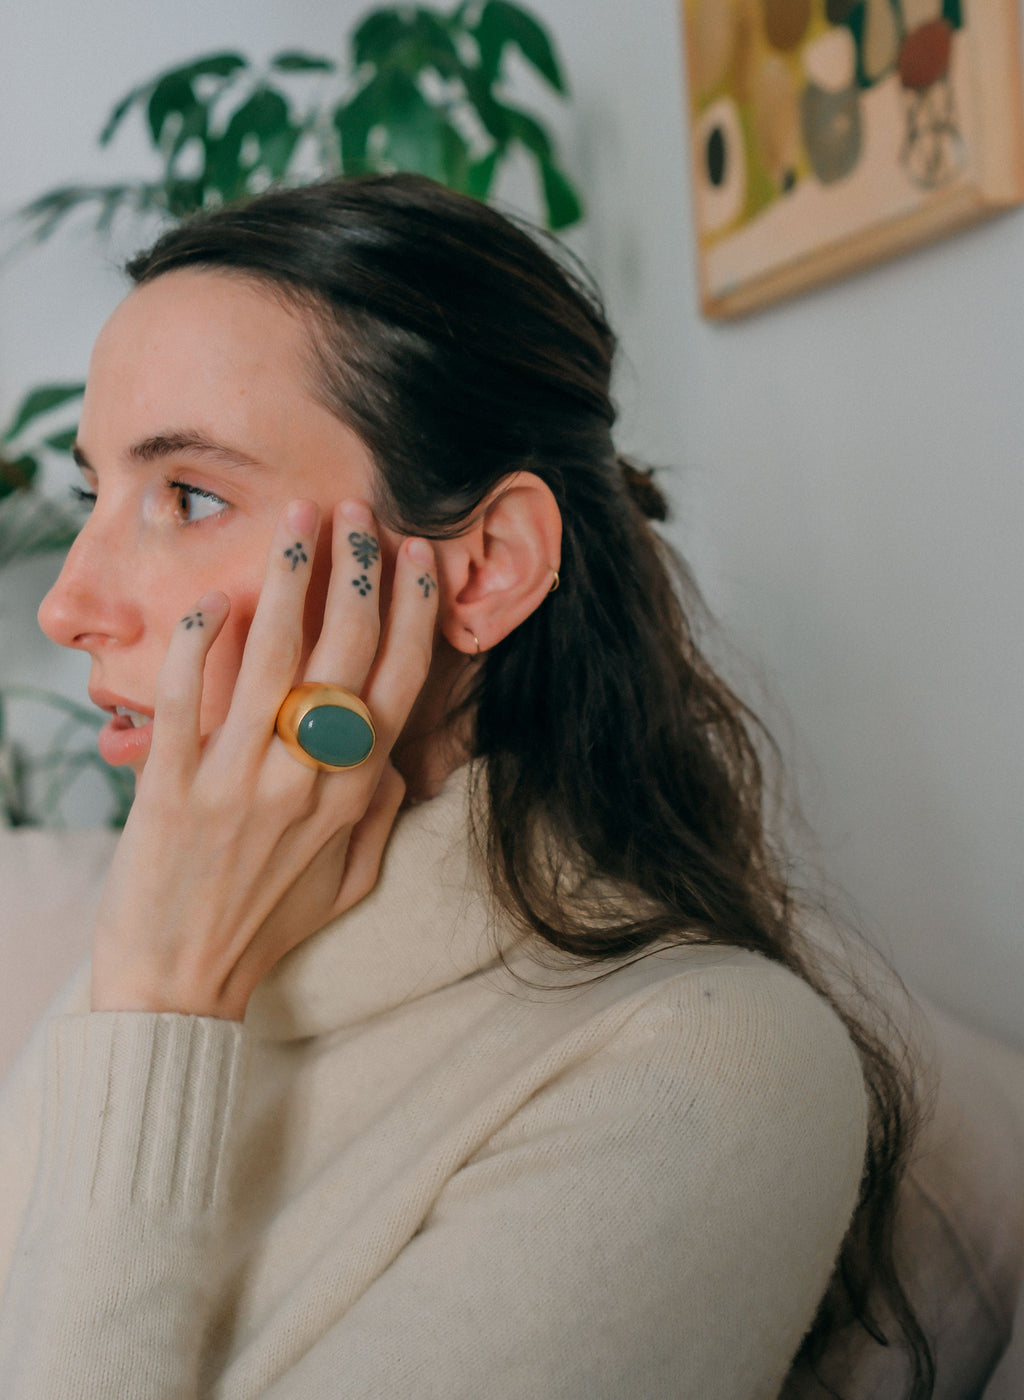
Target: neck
column 437, row 737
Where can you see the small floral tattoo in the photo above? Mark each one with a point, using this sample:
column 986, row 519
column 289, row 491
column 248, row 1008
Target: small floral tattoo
column 365, row 549
column 426, row 582
column 192, row 620
column 297, row 555
column 363, row 584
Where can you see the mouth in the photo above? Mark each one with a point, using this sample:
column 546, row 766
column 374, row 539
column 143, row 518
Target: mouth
column 136, row 718
column 125, row 738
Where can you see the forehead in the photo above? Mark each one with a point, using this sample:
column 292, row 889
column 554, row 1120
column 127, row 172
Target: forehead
column 229, row 325
column 211, row 352
column 203, row 355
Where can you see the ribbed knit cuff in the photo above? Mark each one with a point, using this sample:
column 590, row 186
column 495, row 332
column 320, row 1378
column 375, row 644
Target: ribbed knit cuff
column 138, row 1109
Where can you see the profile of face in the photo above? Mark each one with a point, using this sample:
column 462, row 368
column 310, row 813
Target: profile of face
column 199, row 425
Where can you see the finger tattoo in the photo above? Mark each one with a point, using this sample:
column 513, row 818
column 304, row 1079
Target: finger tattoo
column 365, row 549
column 191, row 620
column 296, row 554
column 426, row 582
column 363, row 584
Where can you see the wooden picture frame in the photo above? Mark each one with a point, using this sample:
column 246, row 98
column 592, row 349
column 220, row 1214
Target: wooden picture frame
column 828, row 134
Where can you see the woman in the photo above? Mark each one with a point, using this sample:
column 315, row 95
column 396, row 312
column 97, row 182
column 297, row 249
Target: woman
column 537, row 1092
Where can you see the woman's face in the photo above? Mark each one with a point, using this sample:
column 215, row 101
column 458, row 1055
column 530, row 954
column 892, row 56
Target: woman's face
column 198, row 427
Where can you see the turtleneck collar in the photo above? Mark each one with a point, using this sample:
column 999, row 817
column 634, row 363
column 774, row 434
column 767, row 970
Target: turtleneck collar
column 428, row 922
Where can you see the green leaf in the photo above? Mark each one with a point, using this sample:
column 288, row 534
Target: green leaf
column 529, row 132
column 419, row 137
column 265, row 113
column 501, row 23
column 173, row 94
column 292, row 61
column 454, row 158
column 355, row 119
column 183, row 197
column 63, row 441
column 493, row 115
column 48, row 211
column 563, row 203
column 277, row 149
column 214, row 65
column 39, row 401
column 374, row 40
column 119, row 113
column 480, row 176
column 265, row 116
column 218, row 65
column 408, row 39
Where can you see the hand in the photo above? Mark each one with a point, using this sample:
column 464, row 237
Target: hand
column 234, row 852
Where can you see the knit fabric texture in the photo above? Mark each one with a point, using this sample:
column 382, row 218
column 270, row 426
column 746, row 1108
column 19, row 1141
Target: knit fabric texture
column 425, row 1171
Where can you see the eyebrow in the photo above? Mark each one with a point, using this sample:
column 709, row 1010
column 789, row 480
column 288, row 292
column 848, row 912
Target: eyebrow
column 190, row 441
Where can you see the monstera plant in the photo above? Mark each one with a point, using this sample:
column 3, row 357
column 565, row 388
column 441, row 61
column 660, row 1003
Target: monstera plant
column 418, row 89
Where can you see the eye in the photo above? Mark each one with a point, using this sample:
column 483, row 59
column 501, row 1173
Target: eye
column 194, row 503
column 82, row 497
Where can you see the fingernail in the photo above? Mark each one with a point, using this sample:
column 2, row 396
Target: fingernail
column 211, row 601
column 357, row 513
column 420, row 552
column 301, row 517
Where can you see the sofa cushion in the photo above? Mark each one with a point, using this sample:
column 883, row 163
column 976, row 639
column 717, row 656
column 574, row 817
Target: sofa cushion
column 50, row 883
column 960, row 1226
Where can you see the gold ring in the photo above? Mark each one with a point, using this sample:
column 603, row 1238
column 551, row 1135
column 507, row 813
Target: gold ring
column 326, row 727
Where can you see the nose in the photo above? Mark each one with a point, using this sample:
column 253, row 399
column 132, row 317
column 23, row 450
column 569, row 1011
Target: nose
column 91, row 605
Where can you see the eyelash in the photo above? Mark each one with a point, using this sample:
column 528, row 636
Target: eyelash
column 190, row 490
column 88, row 498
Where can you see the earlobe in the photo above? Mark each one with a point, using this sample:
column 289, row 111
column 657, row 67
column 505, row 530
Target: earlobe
column 500, row 570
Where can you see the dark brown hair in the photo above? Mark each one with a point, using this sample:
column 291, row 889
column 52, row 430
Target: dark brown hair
column 461, row 350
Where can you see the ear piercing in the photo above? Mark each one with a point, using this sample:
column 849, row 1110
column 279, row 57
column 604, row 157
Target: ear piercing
column 555, row 581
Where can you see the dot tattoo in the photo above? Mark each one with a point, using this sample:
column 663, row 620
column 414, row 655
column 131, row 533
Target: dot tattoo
column 363, row 584
column 365, row 549
column 426, row 582
column 297, row 555
column 192, row 620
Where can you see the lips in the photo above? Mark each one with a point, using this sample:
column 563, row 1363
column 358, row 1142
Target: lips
column 126, row 736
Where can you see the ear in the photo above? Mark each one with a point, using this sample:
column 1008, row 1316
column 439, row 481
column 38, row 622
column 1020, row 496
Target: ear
column 500, row 570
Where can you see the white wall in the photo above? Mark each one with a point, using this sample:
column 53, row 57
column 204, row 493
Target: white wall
column 846, row 467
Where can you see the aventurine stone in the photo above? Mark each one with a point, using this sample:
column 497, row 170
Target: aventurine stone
column 334, row 735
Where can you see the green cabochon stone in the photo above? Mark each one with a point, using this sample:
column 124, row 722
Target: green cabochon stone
column 333, row 735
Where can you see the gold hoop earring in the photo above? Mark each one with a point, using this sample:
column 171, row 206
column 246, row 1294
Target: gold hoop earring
column 476, row 641
column 554, row 582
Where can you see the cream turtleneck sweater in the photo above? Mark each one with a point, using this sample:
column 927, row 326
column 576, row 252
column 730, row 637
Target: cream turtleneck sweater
column 412, row 1175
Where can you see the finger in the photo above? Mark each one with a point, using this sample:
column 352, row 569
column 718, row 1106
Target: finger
column 176, row 741
column 273, row 647
column 348, row 638
column 368, row 840
column 407, row 647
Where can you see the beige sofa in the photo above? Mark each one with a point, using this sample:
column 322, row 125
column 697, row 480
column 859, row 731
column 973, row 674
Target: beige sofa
column 962, row 1226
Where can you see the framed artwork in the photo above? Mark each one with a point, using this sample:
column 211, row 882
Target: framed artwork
column 827, row 134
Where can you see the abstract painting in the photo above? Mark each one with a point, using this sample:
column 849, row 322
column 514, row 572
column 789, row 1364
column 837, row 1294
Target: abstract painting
column 826, row 134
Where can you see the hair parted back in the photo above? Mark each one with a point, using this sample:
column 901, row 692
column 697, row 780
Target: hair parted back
column 460, row 350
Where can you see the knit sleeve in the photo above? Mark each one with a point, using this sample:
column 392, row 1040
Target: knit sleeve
column 111, row 1272
column 660, row 1219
